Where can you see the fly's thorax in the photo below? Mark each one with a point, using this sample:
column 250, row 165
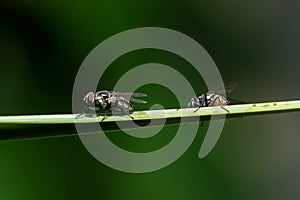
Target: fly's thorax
column 102, row 99
column 103, row 93
column 100, row 103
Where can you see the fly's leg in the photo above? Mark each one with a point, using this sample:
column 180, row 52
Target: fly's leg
column 124, row 113
column 196, row 109
column 225, row 109
column 104, row 116
column 130, row 116
column 131, row 108
column 85, row 112
column 80, row 115
column 214, row 101
column 127, row 114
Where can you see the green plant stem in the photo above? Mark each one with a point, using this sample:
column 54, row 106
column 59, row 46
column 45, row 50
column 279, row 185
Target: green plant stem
column 51, row 124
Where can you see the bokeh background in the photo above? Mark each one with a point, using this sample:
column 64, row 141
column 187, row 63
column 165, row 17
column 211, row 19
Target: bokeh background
column 253, row 43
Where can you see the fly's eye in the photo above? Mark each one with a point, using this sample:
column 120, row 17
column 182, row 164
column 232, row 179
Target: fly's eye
column 89, row 98
column 196, row 99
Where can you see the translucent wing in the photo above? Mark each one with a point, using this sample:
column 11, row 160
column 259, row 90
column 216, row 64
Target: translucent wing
column 137, row 100
column 228, row 87
column 139, row 95
column 129, row 96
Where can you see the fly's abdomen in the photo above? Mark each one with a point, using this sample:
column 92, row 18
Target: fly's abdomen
column 121, row 104
column 216, row 100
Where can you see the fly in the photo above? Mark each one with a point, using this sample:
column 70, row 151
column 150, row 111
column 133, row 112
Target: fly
column 212, row 98
column 111, row 100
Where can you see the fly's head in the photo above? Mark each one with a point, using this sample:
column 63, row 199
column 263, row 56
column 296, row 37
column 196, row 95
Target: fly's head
column 89, row 99
column 194, row 102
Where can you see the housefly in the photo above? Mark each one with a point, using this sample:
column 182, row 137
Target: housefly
column 111, row 100
column 212, row 98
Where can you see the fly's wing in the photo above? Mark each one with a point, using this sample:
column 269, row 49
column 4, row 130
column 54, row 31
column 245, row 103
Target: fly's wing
column 228, row 88
column 129, row 96
column 133, row 100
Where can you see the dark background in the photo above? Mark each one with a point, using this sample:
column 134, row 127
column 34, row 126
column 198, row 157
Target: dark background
column 253, row 43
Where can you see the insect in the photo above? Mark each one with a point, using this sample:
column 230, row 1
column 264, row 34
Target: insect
column 212, row 98
column 111, row 100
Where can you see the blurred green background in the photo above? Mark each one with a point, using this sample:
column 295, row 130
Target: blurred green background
column 253, row 43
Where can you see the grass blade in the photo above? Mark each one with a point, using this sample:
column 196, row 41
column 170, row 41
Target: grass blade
column 57, row 125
